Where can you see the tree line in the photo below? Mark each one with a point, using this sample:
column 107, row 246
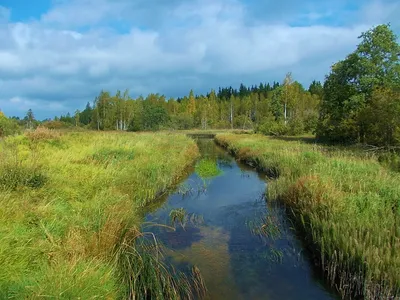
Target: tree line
column 358, row 102
column 245, row 108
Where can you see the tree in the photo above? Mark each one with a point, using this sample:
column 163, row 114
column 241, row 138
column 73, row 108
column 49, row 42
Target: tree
column 349, row 87
column 76, row 117
column 287, row 94
column 85, row 117
column 381, row 119
column 7, row 126
column 192, row 103
column 316, row 88
column 30, row 118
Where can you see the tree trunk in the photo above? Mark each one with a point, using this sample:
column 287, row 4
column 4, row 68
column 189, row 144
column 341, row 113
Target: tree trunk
column 285, row 114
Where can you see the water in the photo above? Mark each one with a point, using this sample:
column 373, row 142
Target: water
column 242, row 244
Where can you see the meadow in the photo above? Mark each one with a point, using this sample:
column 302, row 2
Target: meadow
column 345, row 203
column 71, row 206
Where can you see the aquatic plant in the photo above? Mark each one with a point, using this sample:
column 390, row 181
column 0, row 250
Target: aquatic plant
column 145, row 275
column 267, row 226
column 181, row 216
column 207, row 168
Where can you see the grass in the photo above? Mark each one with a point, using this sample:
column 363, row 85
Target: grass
column 70, row 204
column 207, row 168
column 346, row 204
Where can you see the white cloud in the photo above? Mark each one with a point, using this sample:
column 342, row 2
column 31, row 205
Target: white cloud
column 54, row 67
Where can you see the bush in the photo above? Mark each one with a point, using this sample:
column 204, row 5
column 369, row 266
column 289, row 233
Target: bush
column 268, row 126
column 8, row 126
column 42, row 133
column 56, row 125
column 181, row 122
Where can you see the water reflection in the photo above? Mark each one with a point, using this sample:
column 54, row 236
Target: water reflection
column 243, row 247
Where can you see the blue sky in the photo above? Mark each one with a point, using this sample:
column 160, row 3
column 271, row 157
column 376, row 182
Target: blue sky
column 56, row 55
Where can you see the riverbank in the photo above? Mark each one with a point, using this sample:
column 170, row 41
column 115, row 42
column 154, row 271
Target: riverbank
column 346, row 206
column 68, row 200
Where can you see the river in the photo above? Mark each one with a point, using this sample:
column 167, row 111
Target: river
column 242, row 243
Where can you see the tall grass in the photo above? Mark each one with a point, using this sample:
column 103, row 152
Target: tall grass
column 66, row 203
column 347, row 206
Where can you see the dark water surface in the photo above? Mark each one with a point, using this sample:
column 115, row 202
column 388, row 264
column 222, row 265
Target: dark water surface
column 242, row 244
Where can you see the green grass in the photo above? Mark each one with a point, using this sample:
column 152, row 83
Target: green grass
column 347, row 205
column 67, row 202
column 207, row 168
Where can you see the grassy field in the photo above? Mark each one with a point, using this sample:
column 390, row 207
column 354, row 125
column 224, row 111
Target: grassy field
column 346, row 204
column 69, row 204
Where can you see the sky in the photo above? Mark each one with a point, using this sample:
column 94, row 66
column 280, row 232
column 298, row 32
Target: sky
column 57, row 55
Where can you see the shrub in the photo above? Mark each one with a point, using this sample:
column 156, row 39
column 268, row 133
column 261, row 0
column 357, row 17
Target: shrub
column 42, row 133
column 56, row 125
column 271, row 127
column 8, row 126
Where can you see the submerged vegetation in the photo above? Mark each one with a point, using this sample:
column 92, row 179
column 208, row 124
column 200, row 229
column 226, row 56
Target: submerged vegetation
column 346, row 204
column 70, row 206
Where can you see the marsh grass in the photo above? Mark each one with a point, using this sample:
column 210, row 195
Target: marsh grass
column 144, row 272
column 345, row 203
column 68, row 199
column 207, row 168
column 182, row 217
column 178, row 215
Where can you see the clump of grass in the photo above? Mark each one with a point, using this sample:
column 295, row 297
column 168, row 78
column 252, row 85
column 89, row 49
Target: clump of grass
column 345, row 203
column 106, row 156
column 15, row 176
column 147, row 276
column 207, row 168
column 179, row 215
column 390, row 159
column 267, row 226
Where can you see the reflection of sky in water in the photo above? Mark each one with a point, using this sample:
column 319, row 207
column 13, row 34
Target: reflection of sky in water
column 235, row 263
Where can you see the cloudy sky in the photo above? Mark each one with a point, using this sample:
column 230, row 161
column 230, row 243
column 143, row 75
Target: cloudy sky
column 56, row 55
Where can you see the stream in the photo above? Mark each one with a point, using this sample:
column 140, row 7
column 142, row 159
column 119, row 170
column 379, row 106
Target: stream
column 242, row 243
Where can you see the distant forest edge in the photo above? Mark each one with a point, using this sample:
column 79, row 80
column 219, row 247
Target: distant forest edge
column 359, row 102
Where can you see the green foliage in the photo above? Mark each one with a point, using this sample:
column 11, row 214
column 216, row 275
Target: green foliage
column 229, row 108
column 146, row 276
column 13, row 176
column 180, row 122
column 56, row 125
column 390, row 160
column 107, row 155
column 179, row 215
column 380, row 120
column 154, row 116
column 8, row 126
column 207, row 168
column 269, row 126
column 351, row 91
